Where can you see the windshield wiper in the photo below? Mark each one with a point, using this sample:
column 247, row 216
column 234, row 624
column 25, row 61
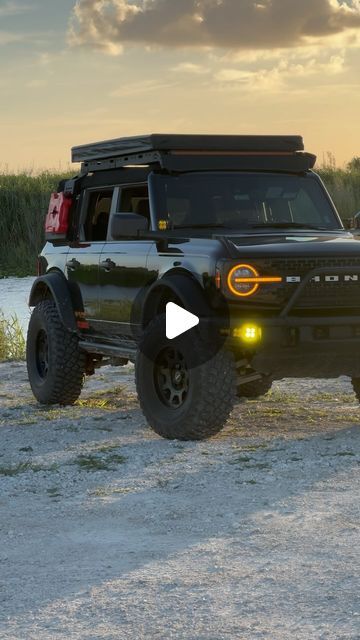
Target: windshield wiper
column 287, row 225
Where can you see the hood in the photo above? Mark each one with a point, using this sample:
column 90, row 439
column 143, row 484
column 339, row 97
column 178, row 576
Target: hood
column 296, row 243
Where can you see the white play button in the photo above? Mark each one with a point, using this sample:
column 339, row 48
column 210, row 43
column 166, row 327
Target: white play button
column 178, row 321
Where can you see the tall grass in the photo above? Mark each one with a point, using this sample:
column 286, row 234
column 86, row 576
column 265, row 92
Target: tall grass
column 24, row 199
column 344, row 188
column 12, row 341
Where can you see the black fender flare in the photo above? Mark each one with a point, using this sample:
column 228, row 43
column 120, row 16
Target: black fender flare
column 184, row 286
column 66, row 296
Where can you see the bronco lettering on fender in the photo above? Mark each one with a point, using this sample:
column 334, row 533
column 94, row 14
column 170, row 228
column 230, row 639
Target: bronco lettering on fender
column 329, row 278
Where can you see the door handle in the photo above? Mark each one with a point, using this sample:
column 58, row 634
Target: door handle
column 108, row 265
column 73, row 264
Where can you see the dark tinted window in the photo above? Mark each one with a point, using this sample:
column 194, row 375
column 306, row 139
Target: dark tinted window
column 242, row 200
column 135, row 200
column 97, row 215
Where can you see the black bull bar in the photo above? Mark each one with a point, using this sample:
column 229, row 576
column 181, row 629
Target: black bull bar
column 310, row 346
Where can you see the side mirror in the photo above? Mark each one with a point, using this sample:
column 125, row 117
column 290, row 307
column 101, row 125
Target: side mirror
column 127, row 225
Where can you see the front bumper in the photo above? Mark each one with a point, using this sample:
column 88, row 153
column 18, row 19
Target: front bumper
column 323, row 346
column 305, row 347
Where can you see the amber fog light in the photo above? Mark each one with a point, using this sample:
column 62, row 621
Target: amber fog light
column 250, row 333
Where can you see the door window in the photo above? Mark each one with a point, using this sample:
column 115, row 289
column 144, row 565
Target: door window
column 97, row 215
column 135, row 200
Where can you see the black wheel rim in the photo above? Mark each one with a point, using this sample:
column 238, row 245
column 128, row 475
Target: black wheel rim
column 42, row 354
column 171, row 378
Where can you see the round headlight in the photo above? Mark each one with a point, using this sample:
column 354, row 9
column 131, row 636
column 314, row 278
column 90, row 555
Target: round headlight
column 243, row 280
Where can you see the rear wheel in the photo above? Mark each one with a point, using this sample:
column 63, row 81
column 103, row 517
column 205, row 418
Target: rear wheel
column 180, row 402
column 55, row 363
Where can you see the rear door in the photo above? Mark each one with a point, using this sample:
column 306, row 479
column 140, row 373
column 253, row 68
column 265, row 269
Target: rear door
column 124, row 276
column 83, row 259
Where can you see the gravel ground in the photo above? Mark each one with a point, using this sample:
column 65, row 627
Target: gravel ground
column 109, row 532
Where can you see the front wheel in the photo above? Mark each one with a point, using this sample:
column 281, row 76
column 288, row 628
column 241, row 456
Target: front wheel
column 180, row 402
column 55, row 363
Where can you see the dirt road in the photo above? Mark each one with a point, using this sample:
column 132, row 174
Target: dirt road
column 109, row 532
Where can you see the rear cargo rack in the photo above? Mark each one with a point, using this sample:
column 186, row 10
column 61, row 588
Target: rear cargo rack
column 197, row 152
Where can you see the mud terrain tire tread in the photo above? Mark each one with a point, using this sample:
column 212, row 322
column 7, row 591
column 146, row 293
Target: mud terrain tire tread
column 214, row 401
column 67, row 363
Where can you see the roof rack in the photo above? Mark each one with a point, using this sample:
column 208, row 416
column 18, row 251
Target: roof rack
column 175, row 152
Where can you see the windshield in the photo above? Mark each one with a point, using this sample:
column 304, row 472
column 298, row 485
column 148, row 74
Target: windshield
column 242, row 201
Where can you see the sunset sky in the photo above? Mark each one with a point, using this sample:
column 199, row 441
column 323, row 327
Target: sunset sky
column 74, row 72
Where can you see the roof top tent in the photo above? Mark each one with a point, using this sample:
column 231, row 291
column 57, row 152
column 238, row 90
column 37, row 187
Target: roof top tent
column 181, row 153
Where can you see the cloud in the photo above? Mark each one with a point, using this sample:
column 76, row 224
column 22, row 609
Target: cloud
column 280, row 75
column 141, row 88
column 9, row 38
column 190, row 68
column 12, row 8
column 231, row 24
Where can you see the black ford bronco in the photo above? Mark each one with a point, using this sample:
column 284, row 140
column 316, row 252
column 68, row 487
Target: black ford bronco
column 236, row 230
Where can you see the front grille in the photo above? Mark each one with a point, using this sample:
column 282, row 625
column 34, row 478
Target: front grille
column 321, row 295
column 303, row 265
column 330, row 296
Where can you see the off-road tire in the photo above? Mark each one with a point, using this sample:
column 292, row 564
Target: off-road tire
column 60, row 380
column 356, row 386
column 211, row 391
column 255, row 389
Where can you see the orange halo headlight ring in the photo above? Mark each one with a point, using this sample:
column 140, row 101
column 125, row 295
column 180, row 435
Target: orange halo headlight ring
column 244, row 280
